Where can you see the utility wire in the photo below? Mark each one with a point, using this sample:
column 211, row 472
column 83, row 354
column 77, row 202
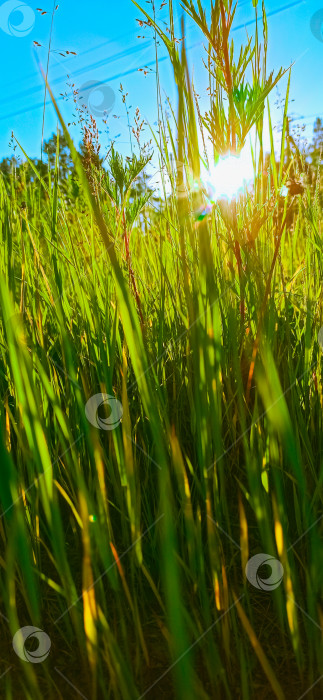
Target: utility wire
column 126, row 53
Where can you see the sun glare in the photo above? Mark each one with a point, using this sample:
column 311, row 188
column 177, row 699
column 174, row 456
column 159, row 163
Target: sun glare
column 229, row 176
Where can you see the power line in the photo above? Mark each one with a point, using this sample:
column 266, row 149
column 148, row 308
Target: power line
column 125, row 53
column 97, row 64
column 105, row 43
column 131, row 49
column 271, row 14
column 119, row 56
column 114, row 77
column 82, row 53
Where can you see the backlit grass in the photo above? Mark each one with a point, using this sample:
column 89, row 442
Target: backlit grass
column 201, row 315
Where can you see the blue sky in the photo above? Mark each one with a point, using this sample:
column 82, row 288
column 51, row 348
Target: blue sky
column 104, row 34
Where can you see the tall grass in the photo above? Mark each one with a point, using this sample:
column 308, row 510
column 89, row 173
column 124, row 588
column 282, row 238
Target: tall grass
column 129, row 547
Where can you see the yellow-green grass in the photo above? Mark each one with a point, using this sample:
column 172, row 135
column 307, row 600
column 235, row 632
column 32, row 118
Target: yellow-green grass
column 129, row 547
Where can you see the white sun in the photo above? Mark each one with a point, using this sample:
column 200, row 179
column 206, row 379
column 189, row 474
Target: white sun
column 229, row 176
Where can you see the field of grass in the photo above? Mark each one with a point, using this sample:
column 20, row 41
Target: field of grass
column 128, row 540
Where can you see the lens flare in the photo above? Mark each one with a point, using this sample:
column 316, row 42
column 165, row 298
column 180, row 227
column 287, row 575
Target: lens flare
column 229, row 176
